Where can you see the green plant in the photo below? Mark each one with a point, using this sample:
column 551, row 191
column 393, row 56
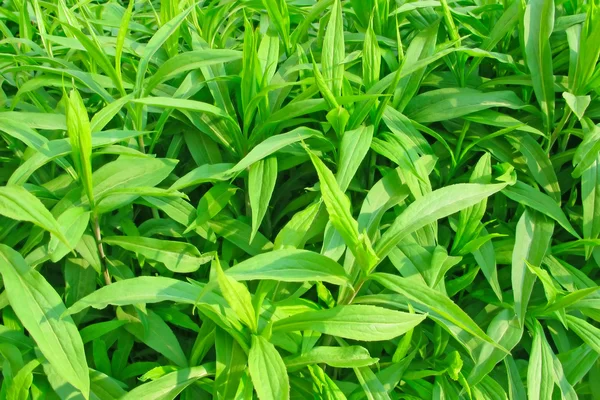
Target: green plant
column 332, row 199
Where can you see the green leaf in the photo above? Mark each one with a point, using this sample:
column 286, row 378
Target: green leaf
column 354, row 147
column 138, row 290
column 272, row 145
column 586, row 331
column 385, row 193
column 190, row 60
column 289, row 265
column 23, row 133
column 434, row 302
column 177, row 256
column 148, row 290
column 372, row 387
column 534, row 232
column 156, row 334
column 261, row 183
column 567, row 391
column 92, row 47
column 96, row 331
column 231, row 365
column 80, row 134
column 577, row 104
column 550, row 288
column 431, row 207
column 183, row 104
column 333, row 52
column 371, row 61
column 238, row 233
column 357, row 322
column 538, row 163
column 202, row 174
column 515, row 384
column 504, row 330
column 326, row 386
column 442, row 104
column 526, row 195
column 21, row 382
column 74, row 223
column 590, row 195
column 587, row 151
column 170, row 385
column 267, row 371
column 18, row 204
column 105, row 387
column 469, row 219
column 123, row 173
column 40, row 310
column 237, row 296
column 421, row 47
column 486, row 259
column 278, row 13
column 338, row 207
column 213, row 201
column 538, row 23
column 337, row 357
column 154, row 44
column 540, row 379
column 62, row 147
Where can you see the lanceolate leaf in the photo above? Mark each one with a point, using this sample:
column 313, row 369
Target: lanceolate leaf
column 431, row 207
column 262, row 178
column 17, row 203
column 534, row 232
column 267, row 370
column 80, row 134
column 540, row 167
column 170, row 385
column 586, row 331
column 156, row 42
column 213, row 202
column 237, row 296
column 157, row 335
column 590, row 194
column 338, row 207
column 231, row 364
column 358, row 322
column 354, row 147
column 334, row 49
column 506, row 331
column 41, row 310
column 540, row 381
column 341, row 357
column 438, row 105
column 273, row 144
column 142, row 289
column 437, row 302
column 177, row 256
column 538, row 23
column 538, row 201
column 289, row 265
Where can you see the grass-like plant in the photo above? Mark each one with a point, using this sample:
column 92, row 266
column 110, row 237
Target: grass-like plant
column 299, row 199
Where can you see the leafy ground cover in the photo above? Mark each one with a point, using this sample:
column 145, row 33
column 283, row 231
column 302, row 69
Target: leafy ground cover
column 299, row 199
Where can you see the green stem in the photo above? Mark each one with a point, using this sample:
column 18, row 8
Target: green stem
column 138, row 126
column 558, row 129
column 461, row 138
column 98, row 237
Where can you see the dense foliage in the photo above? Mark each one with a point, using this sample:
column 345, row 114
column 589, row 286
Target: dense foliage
column 332, row 199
